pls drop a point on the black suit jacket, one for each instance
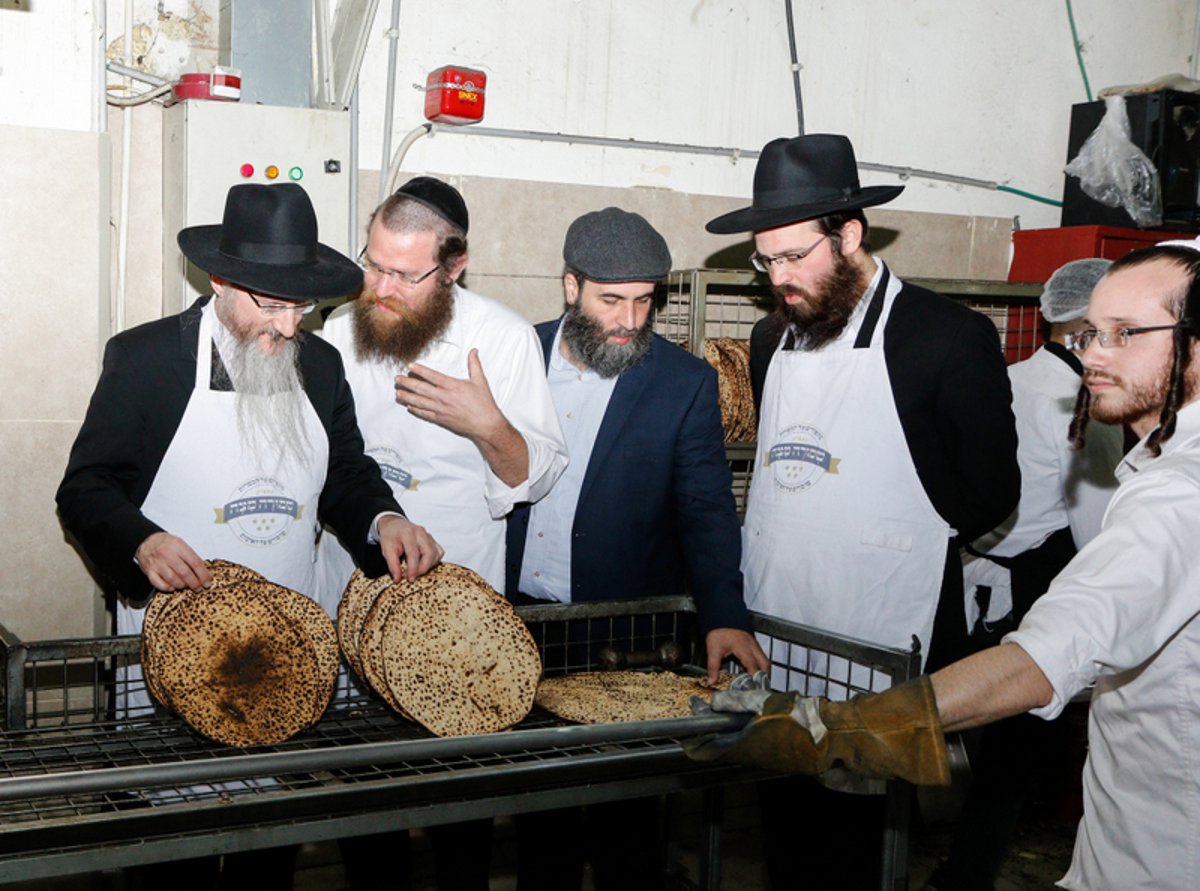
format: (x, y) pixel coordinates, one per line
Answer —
(953, 397)
(145, 384)
(656, 511)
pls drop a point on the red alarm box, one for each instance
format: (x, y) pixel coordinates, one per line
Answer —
(455, 95)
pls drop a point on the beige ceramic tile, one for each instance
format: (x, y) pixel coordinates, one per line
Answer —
(991, 249)
(51, 285)
(143, 275)
(537, 298)
(45, 591)
(926, 245)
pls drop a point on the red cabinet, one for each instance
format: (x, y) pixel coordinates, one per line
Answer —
(1038, 252)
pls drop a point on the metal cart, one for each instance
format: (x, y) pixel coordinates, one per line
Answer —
(80, 792)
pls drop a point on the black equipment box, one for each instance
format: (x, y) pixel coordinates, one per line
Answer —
(1166, 126)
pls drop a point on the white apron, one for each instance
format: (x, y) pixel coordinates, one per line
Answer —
(839, 533)
(260, 511)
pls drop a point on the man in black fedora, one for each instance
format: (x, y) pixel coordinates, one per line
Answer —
(885, 436)
(226, 410)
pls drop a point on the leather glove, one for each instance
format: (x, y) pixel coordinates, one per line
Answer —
(883, 735)
(746, 693)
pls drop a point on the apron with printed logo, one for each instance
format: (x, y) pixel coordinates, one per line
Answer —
(839, 533)
(256, 510)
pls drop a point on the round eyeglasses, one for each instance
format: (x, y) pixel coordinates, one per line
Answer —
(370, 267)
(303, 307)
(1111, 337)
(763, 263)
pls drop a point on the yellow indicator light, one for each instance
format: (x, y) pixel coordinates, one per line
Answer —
(272, 172)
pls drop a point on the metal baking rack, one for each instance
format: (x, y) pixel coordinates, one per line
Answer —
(699, 303)
(81, 792)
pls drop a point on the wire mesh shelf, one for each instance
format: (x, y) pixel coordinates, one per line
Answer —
(81, 790)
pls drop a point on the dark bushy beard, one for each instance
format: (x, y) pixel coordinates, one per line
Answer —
(270, 391)
(821, 316)
(402, 338)
(588, 342)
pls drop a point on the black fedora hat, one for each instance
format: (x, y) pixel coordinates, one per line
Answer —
(267, 243)
(802, 178)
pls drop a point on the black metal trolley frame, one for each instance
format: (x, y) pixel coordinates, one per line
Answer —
(81, 792)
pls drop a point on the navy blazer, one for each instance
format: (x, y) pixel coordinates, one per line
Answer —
(656, 514)
(146, 381)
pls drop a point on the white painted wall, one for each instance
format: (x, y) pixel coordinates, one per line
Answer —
(980, 90)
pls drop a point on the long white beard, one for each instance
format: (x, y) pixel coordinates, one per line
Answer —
(270, 397)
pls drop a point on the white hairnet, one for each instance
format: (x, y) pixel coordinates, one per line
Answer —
(1065, 297)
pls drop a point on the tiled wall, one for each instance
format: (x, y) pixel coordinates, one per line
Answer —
(517, 230)
(54, 268)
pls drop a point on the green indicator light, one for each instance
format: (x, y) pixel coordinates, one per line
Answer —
(295, 174)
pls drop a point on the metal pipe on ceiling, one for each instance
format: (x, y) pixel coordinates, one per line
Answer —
(393, 36)
(734, 154)
(791, 29)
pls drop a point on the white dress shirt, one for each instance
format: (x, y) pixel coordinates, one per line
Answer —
(581, 399)
(439, 477)
(1059, 487)
(1124, 615)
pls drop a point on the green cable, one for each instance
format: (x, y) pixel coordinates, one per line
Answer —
(1078, 52)
(1025, 194)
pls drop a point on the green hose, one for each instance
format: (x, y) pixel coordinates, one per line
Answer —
(1078, 51)
(1025, 194)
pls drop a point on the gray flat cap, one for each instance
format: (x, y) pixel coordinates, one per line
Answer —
(1065, 297)
(613, 245)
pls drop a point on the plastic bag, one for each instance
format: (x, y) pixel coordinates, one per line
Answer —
(1115, 172)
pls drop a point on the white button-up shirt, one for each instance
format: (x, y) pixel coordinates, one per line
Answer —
(581, 398)
(1124, 614)
(439, 477)
(1059, 486)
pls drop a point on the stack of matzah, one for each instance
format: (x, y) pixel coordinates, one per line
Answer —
(246, 662)
(444, 650)
(731, 359)
(605, 697)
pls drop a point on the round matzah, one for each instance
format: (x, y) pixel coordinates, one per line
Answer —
(356, 602)
(459, 659)
(158, 622)
(155, 626)
(731, 359)
(311, 619)
(605, 697)
(736, 356)
(238, 670)
(747, 422)
(371, 644)
(244, 662)
(224, 571)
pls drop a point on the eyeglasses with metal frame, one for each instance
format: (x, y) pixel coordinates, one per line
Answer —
(303, 307)
(371, 267)
(1079, 341)
(763, 263)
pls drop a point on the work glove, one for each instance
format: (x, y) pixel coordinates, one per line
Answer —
(896, 734)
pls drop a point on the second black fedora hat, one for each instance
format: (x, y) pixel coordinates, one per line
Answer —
(802, 178)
